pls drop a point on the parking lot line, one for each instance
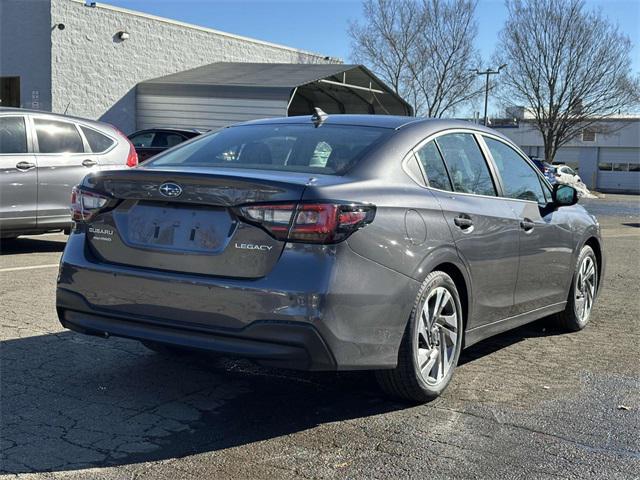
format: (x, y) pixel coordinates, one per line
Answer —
(32, 267)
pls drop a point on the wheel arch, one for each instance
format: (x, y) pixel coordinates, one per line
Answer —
(596, 246)
(460, 281)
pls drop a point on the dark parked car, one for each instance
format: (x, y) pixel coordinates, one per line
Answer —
(155, 140)
(331, 243)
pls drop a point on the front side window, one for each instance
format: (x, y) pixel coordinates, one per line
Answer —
(434, 167)
(166, 140)
(518, 177)
(97, 141)
(328, 149)
(57, 137)
(13, 135)
(467, 167)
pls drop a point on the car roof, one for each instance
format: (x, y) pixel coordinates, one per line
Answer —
(169, 129)
(23, 111)
(382, 121)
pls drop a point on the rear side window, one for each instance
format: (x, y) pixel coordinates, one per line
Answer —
(13, 135)
(328, 149)
(58, 137)
(466, 165)
(97, 141)
(434, 167)
(519, 178)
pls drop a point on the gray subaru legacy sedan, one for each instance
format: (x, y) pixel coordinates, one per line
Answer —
(340, 242)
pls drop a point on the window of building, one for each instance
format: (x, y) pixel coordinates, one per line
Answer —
(97, 141)
(13, 135)
(434, 167)
(588, 135)
(466, 165)
(605, 166)
(9, 91)
(620, 167)
(57, 137)
(634, 167)
(518, 177)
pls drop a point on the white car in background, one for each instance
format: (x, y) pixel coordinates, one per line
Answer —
(567, 175)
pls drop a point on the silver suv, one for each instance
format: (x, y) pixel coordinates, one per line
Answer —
(42, 156)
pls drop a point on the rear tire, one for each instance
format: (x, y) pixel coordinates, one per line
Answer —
(165, 349)
(431, 344)
(582, 293)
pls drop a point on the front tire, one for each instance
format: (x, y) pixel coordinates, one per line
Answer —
(582, 293)
(431, 344)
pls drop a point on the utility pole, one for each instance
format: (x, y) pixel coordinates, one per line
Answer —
(487, 72)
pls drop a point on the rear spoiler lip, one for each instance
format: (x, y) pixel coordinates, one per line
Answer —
(196, 188)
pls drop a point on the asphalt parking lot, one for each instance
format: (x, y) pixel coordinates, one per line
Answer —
(534, 402)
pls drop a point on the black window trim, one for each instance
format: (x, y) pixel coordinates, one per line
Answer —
(413, 153)
(515, 148)
(36, 145)
(28, 131)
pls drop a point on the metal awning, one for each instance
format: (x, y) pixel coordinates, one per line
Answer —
(336, 88)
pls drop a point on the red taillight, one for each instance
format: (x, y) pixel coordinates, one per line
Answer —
(85, 204)
(132, 158)
(309, 222)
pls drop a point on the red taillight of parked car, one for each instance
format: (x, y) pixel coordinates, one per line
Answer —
(309, 222)
(85, 204)
(132, 158)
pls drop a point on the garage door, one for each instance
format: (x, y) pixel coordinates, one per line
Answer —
(619, 169)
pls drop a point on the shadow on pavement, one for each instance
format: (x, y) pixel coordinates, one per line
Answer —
(31, 245)
(70, 401)
(544, 327)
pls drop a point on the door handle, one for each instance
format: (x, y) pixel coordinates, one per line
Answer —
(89, 163)
(463, 221)
(25, 165)
(527, 224)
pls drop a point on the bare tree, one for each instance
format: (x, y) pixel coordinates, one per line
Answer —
(571, 68)
(422, 48)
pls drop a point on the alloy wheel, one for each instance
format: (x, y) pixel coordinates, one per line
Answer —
(585, 288)
(437, 335)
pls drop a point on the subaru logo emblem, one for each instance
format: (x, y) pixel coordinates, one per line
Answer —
(170, 189)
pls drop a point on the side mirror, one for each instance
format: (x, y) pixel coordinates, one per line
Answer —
(564, 195)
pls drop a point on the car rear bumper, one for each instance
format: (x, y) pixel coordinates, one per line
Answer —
(320, 308)
(277, 344)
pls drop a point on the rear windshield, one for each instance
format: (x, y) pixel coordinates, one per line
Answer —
(327, 149)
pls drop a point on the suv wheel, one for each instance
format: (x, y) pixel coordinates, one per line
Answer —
(582, 293)
(431, 344)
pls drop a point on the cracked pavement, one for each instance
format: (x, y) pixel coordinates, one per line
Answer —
(531, 403)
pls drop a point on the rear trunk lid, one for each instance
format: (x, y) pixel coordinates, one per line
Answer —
(184, 221)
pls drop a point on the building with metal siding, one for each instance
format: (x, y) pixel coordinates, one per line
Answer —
(69, 56)
(608, 161)
(220, 94)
